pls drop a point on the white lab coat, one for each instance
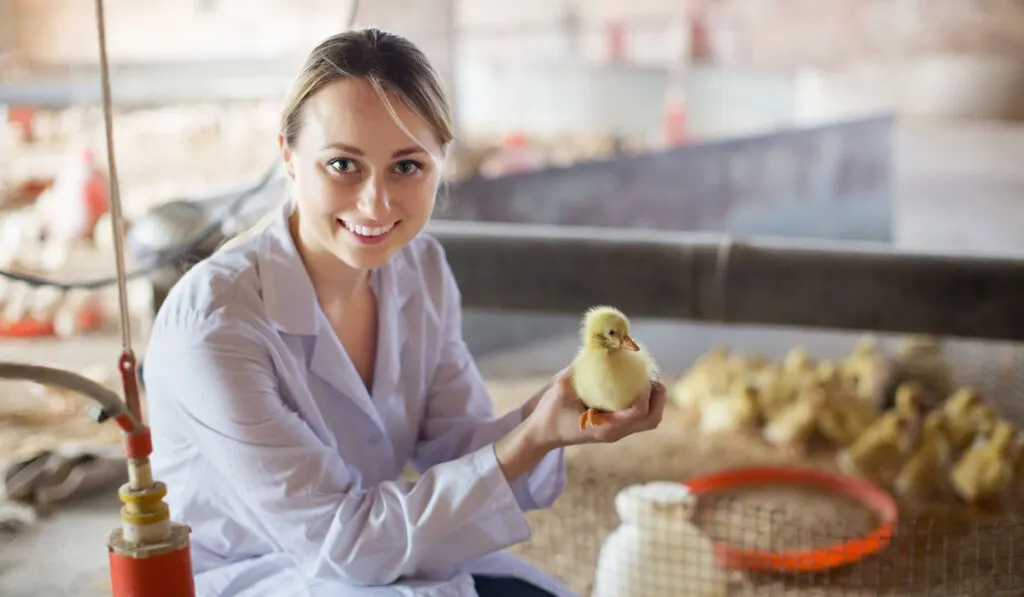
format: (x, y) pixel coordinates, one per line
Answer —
(285, 466)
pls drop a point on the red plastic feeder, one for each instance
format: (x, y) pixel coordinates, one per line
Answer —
(88, 319)
(802, 560)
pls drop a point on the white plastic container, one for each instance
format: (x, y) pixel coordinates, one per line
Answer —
(657, 551)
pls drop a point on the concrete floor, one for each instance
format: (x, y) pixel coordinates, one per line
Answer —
(960, 188)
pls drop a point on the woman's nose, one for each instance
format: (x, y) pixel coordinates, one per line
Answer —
(373, 199)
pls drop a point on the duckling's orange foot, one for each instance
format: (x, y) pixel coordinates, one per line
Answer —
(591, 418)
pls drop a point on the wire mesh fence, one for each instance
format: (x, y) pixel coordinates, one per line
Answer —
(678, 555)
(693, 550)
(602, 543)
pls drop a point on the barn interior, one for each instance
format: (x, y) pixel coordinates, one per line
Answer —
(757, 184)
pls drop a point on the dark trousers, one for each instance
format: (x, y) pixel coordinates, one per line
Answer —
(506, 586)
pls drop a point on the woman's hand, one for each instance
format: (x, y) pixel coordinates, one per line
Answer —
(553, 420)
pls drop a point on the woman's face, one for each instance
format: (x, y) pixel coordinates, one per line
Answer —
(363, 187)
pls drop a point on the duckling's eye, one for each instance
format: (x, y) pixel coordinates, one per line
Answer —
(611, 332)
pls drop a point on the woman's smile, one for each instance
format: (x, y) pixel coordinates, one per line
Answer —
(369, 234)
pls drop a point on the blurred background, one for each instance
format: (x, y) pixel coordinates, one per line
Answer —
(893, 122)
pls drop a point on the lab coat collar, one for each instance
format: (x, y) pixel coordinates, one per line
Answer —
(291, 305)
(393, 284)
(288, 296)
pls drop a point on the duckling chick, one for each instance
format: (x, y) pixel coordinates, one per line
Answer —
(968, 415)
(828, 375)
(961, 401)
(611, 370)
(910, 396)
(797, 370)
(866, 345)
(925, 476)
(879, 452)
(985, 472)
(845, 417)
(772, 392)
(864, 368)
(985, 418)
(709, 375)
(798, 360)
(792, 429)
(740, 365)
(735, 414)
(920, 359)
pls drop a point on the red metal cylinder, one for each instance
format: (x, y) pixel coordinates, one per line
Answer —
(165, 575)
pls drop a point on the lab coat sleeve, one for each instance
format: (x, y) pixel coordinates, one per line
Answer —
(460, 414)
(221, 376)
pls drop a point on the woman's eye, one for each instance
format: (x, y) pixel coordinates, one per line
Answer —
(407, 167)
(343, 165)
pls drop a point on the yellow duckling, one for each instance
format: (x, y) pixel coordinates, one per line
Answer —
(708, 376)
(793, 427)
(969, 416)
(798, 360)
(925, 475)
(611, 369)
(879, 453)
(845, 418)
(986, 470)
(735, 413)
(864, 368)
(910, 396)
(881, 450)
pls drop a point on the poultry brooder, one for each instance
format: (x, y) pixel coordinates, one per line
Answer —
(934, 548)
(714, 295)
(933, 555)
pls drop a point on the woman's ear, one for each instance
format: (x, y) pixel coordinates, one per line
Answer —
(286, 155)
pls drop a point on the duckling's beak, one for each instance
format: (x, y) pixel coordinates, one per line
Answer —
(629, 344)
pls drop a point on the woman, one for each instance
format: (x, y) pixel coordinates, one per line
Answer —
(292, 375)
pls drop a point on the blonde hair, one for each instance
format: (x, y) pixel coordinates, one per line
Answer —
(390, 63)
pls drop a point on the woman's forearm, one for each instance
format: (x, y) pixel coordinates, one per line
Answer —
(519, 451)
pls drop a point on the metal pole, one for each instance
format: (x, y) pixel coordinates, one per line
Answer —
(149, 554)
(808, 283)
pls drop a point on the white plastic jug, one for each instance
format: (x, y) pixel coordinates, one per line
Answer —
(657, 551)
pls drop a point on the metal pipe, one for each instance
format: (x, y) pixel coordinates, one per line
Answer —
(702, 276)
(108, 400)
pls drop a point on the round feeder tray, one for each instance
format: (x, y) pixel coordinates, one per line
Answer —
(802, 560)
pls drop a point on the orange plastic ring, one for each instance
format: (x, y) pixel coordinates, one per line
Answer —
(802, 560)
